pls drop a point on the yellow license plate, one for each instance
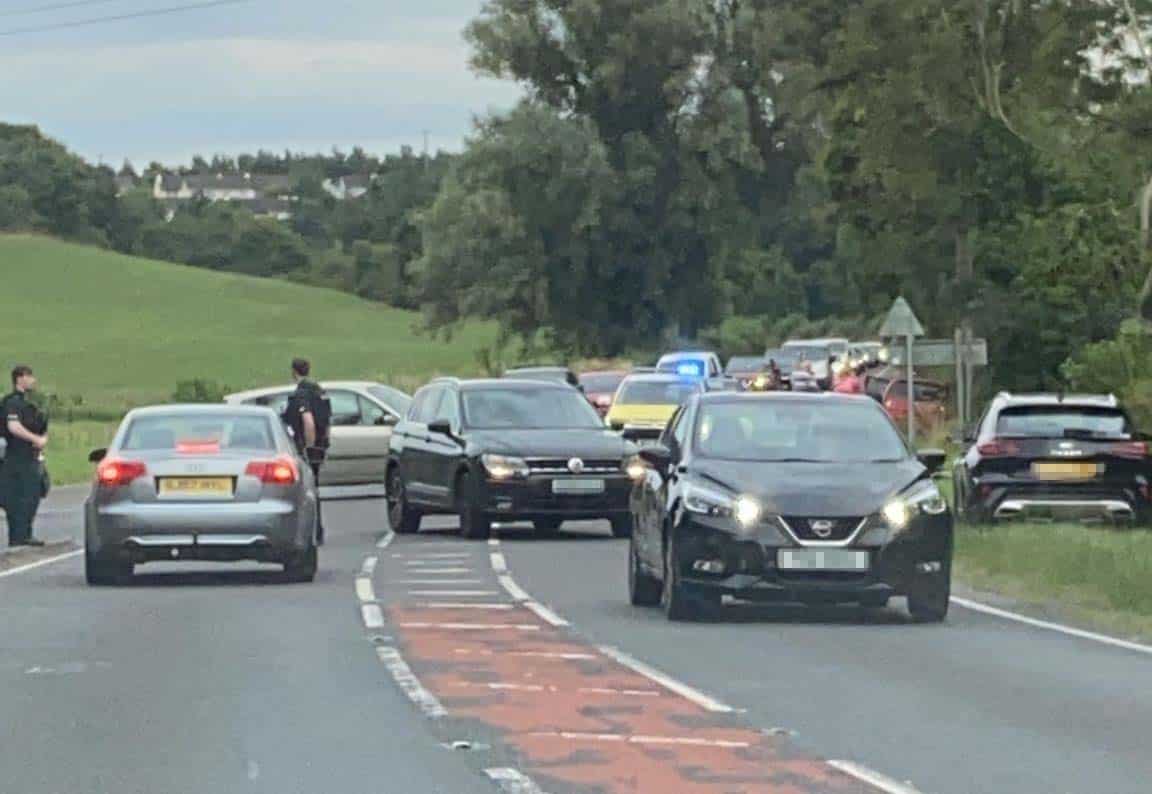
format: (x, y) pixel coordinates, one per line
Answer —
(200, 486)
(1065, 471)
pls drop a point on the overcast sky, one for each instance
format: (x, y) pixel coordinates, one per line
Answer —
(274, 74)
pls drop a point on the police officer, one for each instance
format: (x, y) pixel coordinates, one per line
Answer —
(26, 432)
(299, 414)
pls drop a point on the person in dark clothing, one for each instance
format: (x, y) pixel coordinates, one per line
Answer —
(300, 415)
(26, 433)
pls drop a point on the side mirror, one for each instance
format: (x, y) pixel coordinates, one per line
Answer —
(933, 459)
(440, 426)
(97, 455)
(386, 420)
(658, 456)
(618, 426)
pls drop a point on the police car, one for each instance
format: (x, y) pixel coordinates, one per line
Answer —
(702, 364)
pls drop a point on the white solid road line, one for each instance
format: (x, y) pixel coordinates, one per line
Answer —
(512, 781)
(364, 590)
(372, 615)
(666, 681)
(39, 563)
(513, 589)
(1115, 642)
(874, 778)
(369, 566)
(384, 541)
(499, 564)
(409, 684)
(546, 614)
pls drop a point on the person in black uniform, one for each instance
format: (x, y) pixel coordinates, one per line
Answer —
(26, 433)
(300, 415)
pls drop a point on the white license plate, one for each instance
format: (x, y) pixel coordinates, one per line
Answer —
(821, 560)
(578, 486)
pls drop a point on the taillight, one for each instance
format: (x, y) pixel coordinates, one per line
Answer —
(998, 448)
(273, 472)
(1129, 449)
(113, 473)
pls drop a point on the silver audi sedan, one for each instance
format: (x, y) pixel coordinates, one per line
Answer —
(200, 482)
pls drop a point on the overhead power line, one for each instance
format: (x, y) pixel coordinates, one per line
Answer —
(16, 12)
(155, 12)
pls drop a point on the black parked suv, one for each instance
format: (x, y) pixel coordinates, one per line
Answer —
(777, 496)
(507, 450)
(1054, 456)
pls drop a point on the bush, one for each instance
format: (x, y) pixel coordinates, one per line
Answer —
(199, 390)
(1122, 366)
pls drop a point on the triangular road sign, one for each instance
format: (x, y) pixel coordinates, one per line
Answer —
(901, 320)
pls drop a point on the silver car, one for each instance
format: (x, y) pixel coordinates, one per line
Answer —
(200, 482)
(363, 415)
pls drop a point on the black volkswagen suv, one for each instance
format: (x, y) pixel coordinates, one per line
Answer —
(507, 450)
(1055, 456)
(778, 496)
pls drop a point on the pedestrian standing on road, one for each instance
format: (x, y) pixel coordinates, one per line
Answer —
(25, 430)
(309, 413)
(852, 382)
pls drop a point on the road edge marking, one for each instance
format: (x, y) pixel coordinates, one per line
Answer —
(514, 590)
(873, 778)
(364, 590)
(1059, 628)
(512, 781)
(668, 682)
(409, 684)
(546, 614)
(372, 616)
(39, 563)
(384, 542)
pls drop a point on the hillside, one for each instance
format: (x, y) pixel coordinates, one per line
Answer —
(121, 331)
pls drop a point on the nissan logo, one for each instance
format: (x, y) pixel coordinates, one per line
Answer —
(575, 465)
(822, 528)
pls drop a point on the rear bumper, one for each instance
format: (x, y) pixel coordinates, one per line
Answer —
(534, 498)
(1010, 498)
(265, 530)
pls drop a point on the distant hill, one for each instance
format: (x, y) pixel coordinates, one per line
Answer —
(119, 330)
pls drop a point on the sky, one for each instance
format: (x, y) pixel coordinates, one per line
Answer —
(306, 75)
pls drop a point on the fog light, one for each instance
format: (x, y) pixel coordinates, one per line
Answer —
(175, 553)
(928, 567)
(708, 566)
(504, 504)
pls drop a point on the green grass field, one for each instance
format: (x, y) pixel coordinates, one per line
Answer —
(107, 332)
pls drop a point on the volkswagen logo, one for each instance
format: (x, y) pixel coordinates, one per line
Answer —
(821, 528)
(575, 465)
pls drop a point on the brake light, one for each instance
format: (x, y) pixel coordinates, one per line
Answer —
(198, 447)
(1129, 449)
(998, 448)
(113, 473)
(273, 472)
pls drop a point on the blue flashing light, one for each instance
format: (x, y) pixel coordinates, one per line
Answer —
(693, 368)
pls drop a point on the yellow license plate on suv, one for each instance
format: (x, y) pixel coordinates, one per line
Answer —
(196, 486)
(1065, 471)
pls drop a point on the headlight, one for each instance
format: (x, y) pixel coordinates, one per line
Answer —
(634, 467)
(705, 501)
(922, 498)
(882, 355)
(502, 467)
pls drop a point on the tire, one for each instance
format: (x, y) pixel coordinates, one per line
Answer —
(622, 526)
(302, 567)
(678, 605)
(643, 589)
(547, 527)
(402, 517)
(103, 573)
(474, 524)
(928, 601)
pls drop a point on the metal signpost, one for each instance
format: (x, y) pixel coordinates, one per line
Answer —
(901, 321)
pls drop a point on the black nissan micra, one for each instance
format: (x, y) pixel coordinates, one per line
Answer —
(810, 498)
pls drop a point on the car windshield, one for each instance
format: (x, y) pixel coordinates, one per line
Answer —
(792, 430)
(395, 399)
(746, 364)
(487, 409)
(198, 433)
(601, 382)
(812, 352)
(1061, 421)
(647, 392)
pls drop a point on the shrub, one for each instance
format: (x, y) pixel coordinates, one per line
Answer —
(199, 390)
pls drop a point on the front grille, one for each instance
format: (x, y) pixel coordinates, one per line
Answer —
(559, 466)
(838, 529)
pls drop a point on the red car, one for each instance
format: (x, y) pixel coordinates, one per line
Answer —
(600, 387)
(931, 402)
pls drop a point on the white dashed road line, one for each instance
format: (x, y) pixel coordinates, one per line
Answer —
(499, 564)
(874, 778)
(546, 614)
(409, 684)
(386, 540)
(453, 593)
(690, 741)
(439, 571)
(364, 590)
(471, 626)
(372, 616)
(369, 566)
(513, 589)
(439, 581)
(458, 605)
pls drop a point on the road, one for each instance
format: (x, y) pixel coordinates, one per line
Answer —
(202, 679)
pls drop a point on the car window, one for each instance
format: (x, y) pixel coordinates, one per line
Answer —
(277, 402)
(345, 408)
(678, 430)
(370, 412)
(427, 401)
(1060, 421)
(449, 409)
(395, 399)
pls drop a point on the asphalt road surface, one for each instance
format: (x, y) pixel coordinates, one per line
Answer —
(439, 665)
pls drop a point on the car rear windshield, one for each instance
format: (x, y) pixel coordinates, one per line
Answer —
(639, 392)
(798, 431)
(812, 352)
(393, 398)
(601, 382)
(1062, 421)
(199, 433)
(487, 409)
(745, 364)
